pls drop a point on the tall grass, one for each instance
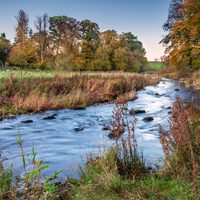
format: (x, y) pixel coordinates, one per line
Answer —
(39, 93)
(104, 175)
(182, 144)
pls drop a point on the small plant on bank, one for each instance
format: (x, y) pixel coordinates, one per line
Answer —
(5, 179)
(182, 145)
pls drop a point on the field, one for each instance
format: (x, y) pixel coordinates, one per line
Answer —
(46, 74)
(156, 65)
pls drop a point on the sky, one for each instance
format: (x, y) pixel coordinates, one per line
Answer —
(144, 18)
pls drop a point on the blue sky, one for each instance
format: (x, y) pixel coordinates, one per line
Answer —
(144, 18)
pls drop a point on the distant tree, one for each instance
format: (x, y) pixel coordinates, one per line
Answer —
(108, 36)
(156, 59)
(4, 47)
(22, 27)
(85, 59)
(120, 59)
(135, 51)
(41, 36)
(7, 64)
(103, 58)
(17, 56)
(163, 58)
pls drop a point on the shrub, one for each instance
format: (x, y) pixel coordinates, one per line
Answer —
(7, 64)
(42, 67)
(182, 144)
(32, 66)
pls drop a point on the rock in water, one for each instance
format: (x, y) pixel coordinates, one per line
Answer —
(79, 129)
(79, 108)
(139, 111)
(27, 121)
(105, 128)
(50, 117)
(148, 119)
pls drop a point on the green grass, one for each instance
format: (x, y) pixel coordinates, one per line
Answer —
(156, 65)
(18, 73)
(46, 74)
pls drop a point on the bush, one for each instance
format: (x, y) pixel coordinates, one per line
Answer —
(7, 64)
(42, 67)
(32, 67)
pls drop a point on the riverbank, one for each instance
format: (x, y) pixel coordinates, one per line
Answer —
(191, 78)
(122, 172)
(20, 95)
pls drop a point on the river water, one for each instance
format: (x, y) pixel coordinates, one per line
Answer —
(60, 145)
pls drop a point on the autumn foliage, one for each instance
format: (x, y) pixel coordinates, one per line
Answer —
(183, 38)
(63, 43)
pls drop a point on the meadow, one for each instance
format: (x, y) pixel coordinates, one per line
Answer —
(154, 67)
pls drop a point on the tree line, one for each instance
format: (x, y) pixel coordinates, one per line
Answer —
(63, 43)
(183, 38)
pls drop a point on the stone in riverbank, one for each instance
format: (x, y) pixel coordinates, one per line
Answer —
(156, 93)
(148, 119)
(176, 89)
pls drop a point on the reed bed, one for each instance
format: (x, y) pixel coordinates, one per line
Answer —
(21, 94)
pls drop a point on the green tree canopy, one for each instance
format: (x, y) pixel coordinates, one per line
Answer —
(103, 58)
(120, 59)
(4, 47)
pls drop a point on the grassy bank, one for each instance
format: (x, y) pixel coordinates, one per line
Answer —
(121, 171)
(68, 90)
(191, 77)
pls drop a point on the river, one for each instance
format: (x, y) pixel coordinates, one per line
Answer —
(60, 145)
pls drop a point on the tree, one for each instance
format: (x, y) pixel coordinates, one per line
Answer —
(135, 51)
(120, 59)
(17, 56)
(103, 58)
(184, 31)
(156, 59)
(22, 27)
(41, 36)
(4, 47)
(108, 36)
(85, 58)
(65, 32)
